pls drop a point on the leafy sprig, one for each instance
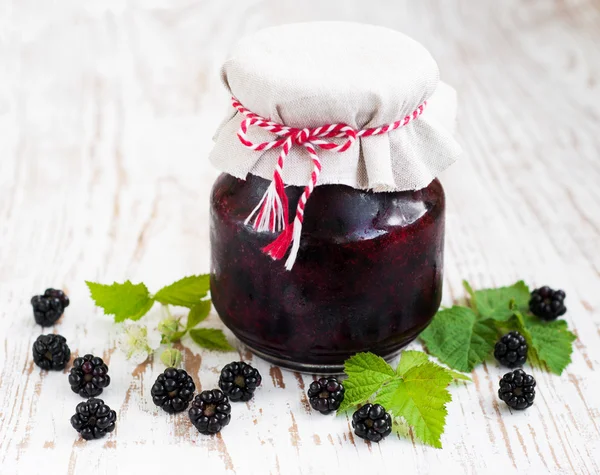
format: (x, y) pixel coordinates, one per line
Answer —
(464, 336)
(129, 301)
(415, 393)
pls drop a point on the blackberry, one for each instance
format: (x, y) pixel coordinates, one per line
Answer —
(511, 350)
(210, 411)
(173, 390)
(239, 380)
(93, 419)
(58, 294)
(517, 389)
(547, 304)
(89, 376)
(326, 395)
(371, 422)
(48, 308)
(51, 352)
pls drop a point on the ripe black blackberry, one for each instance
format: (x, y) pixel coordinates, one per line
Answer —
(93, 419)
(511, 350)
(89, 376)
(326, 395)
(173, 390)
(371, 422)
(51, 352)
(239, 380)
(547, 304)
(517, 389)
(48, 308)
(210, 411)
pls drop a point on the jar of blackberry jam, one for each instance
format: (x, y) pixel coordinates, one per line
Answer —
(327, 223)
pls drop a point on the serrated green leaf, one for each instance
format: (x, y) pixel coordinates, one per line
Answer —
(198, 313)
(410, 358)
(458, 339)
(357, 392)
(186, 292)
(499, 304)
(124, 301)
(141, 312)
(458, 376)
(369, 367)
(384, 395)
(420, 398)
(552, 341)
(211, 339)
(366, 374)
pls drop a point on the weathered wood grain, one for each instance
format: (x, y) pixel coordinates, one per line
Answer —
(107, 109)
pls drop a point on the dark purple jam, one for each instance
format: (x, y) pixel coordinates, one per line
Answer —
(368, 276)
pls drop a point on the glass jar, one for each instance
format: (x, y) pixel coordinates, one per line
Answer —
(368, 276)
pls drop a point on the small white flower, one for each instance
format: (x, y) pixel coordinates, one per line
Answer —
(154, 338)
(138, 342)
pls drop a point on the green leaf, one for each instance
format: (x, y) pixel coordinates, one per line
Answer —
(366, 374)
(458, 376)
(409, 359)
(499, 304)
(198, 313)
(142, 311)
(551, 341)
(384, 395)
(412, 358)
(457, 338)
(211, 339)
(186, 292)
(357, 393)
(369, 367)
(174, 337)
(420, 398)
(124, 301)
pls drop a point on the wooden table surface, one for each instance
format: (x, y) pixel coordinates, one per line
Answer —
(107, 109)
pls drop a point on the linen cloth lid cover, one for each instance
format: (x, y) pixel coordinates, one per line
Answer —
(312, 74)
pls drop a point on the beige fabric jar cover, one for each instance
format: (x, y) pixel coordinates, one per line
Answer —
(310, 75)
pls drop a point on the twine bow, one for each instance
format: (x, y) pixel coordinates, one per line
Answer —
(271, 213)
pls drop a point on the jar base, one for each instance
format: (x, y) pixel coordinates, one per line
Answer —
(308, 368)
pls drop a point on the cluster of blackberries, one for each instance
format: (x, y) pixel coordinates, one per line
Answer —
(517, 387)
(174, 389)
(210, 410)
(545, 303)
(88, 376)
(370, 422)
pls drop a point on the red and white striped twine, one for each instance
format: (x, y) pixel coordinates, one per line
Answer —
(271, 213)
